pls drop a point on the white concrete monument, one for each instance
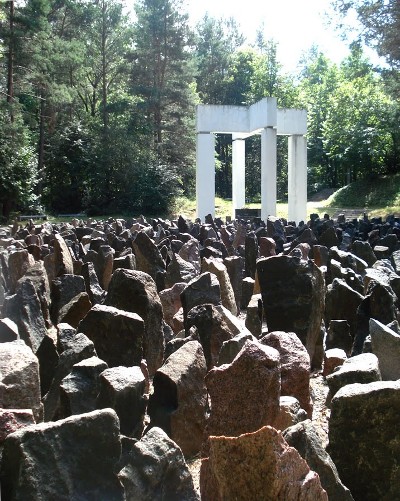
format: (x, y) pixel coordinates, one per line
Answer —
(243, 121)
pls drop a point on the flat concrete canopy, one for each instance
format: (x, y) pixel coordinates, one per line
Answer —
(262, 118)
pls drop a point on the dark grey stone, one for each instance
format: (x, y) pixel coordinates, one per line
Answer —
(386, 346)
(79, 390)
(77, 350)
(72, 459)
(304, 437)
(362, 368)
(204, 289)
(293, 293)
(117, 334)
(364, 438)
(122, 389)
(25, 310)
(178, 404)
(136, 291)
(157, 471)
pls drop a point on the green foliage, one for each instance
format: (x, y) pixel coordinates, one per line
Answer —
(369, 193)
(381, 22)
(18, 175)
(101, 109)
(162, 76)
(356, 134)
(216, 42)
(351, 131)
(70, 157)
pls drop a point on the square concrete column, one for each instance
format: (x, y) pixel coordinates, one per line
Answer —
(297, 178)
(205, 174)
(238, 172)
(268, 172)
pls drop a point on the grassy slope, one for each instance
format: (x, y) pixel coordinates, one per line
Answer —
(382, 194)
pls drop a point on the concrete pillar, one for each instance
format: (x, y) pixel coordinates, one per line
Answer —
(297, 178)
(238, 172)
(268, 172)
(205, 174)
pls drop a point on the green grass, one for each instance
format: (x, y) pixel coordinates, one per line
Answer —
(379, 193)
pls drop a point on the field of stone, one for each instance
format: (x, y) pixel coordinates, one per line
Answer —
(217, 360)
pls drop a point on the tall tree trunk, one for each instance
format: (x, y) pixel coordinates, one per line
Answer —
(41, 134)
(10, 61)
(104, 68)
(104, 96)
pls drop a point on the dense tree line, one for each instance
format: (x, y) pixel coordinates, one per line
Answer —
(97, 110)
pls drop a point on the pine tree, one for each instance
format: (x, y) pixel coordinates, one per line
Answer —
(162, 77)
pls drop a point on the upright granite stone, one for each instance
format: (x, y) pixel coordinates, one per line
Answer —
(190, 252)
(74, 311)
(148, 257)
(136, 291)
(63, 264)
(245, 394)
(117, 335)
(48, 360)
(19, 261)
(105, 265)
(179, 270)
(234, 266)
(379, 304)
(93, 288)
(122, 389)
(65, 334)
(79, 348)
(70, 459)
(251, 255)
(254, 315)
(338, 336)
(248, 290)
(362, 368)
(156, 471)
(267, 247)
(213, 330)
(24, 309)
(232, 347)
(8, 330)
(38, 276)
(341, 303)
(386, 346)
(19, 378)
(290, 413)
(364, 251)
(204, 289)
(178, 404)
(293, 292)
(171, 301)
(64, 289)
(295, 367)
(218, 268)
(234, 470)
(364, 437)
(305, 439)
(79, 390)
(335, 357)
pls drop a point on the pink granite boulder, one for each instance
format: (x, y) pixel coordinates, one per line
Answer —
(244, 394)
(234, 470)
(295, 366)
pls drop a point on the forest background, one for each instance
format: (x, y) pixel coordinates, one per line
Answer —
(97, 110)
